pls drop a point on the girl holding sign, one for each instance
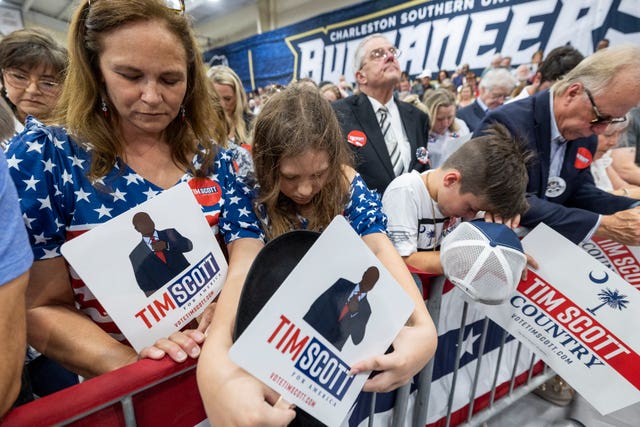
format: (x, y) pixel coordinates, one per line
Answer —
(305, 178)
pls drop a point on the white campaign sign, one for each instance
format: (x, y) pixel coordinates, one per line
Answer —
(284, 346)
(618, 257)
(579, 317)
(151, 294)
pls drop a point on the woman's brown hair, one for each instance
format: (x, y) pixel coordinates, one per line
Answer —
(80, 106)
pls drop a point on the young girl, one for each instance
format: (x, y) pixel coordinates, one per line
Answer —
(304, 171)
(305, 178)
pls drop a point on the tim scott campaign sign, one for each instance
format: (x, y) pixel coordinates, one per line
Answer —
(575, 313)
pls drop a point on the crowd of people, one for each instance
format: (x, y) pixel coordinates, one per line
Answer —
(131, 110)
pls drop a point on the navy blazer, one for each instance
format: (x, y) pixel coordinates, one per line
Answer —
(573, 213)
(355, 114)
(151, 273)
(324, 314)
(472, 115)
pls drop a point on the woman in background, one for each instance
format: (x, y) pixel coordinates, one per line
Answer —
(447, 133)
(33, 66)
(331, 92)
(465, 96)
(442, 76)
(233, 98)
(604, 175)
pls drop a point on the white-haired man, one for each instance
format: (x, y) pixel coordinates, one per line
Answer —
(388, 137)
(494, 89)
(561, 125)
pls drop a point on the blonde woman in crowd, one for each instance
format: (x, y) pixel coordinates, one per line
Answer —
(465, 96)
(233, 98)
(447, 132)
(331, 92)
(414, 99)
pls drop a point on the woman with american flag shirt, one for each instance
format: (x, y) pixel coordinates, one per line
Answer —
(137, 120)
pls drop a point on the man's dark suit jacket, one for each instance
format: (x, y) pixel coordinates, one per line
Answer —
(472, 115)
(324, 314)
(355, 113)
(151, 272)
(574, 212)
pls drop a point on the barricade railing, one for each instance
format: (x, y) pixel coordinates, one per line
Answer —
(151, 393)
(479, 409)
(146, 393)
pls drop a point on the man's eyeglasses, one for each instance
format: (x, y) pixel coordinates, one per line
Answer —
(600, 119)
(22, 81)
(382, 53)
(174, 5)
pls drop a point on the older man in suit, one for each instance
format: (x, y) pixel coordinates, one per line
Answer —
(561, 126)
(494, 88)
(388, 137)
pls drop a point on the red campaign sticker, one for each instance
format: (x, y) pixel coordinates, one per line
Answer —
(207, 191)
(357, 138)
(583, 158)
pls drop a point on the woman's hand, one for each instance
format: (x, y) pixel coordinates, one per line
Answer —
(178, 346)
(182, 344)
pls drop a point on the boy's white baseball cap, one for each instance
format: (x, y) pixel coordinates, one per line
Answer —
(483, 259)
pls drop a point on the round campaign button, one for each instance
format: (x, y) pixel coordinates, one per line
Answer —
(583, 158)
(422, 155)
(555, 187)
(357, 138)
(207, 191)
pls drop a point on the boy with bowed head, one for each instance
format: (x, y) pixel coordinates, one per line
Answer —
(138, 119)
(488, 173)
(305, 179)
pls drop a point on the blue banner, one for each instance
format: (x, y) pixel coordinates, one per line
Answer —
(431, 34)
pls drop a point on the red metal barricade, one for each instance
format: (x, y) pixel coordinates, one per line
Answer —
(146, 393)
(153, 393)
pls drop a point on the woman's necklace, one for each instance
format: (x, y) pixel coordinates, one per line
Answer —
(433, 215)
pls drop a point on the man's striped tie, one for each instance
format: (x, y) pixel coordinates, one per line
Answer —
(390, 139)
